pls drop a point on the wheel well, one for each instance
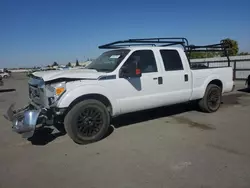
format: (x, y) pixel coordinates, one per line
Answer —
(98, 97)
(217, 82)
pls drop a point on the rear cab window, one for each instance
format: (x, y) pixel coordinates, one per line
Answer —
(171, 60)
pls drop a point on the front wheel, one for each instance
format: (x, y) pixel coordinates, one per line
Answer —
(212, 99)
(88, 121)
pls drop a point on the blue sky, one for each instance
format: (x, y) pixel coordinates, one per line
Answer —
(39, 32)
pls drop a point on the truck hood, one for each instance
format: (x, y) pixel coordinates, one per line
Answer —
(70, 74)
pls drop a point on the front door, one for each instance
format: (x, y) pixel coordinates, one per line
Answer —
(140, 93)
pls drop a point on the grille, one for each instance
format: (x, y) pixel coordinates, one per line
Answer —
(33, 92)
(36, 91)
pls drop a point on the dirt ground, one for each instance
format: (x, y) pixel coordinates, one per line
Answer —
(175, 147)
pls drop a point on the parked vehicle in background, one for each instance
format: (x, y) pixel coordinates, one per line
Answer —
(4, 75)
(125, 79)
(1, 81)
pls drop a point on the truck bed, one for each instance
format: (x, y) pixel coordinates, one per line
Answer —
(201, 78)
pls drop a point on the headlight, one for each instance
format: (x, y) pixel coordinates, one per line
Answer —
(59, 89)
(56, 90)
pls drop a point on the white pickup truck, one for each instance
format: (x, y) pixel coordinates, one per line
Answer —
(124, 79)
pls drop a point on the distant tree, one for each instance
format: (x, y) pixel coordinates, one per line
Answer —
(244, 53)
(77, 63)
(234, 48)
(55, 64)
(69, 65)
(198, 55)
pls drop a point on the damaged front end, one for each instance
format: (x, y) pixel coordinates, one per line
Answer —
(25, 120)
(41, 110)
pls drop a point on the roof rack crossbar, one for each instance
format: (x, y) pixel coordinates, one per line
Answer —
(151, 44)
(222, 46)
(204, 50)
(164, 45)
(124, 46)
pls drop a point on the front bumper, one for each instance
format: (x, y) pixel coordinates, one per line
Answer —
(25, 120)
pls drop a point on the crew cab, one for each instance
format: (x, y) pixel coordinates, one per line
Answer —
(124, 79)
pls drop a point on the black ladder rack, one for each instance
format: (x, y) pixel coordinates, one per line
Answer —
(223, 46)
(146, 41)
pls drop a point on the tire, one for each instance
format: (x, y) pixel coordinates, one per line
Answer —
(88, 121)
(211, 100)
(5, 76)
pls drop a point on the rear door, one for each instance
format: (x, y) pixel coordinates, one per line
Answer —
(177, 78)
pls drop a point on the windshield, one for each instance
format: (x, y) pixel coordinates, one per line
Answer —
(108, 61)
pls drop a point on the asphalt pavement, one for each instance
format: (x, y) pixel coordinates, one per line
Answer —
(171, 147)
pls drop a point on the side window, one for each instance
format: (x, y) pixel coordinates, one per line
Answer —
(145, 59)
(171, 60)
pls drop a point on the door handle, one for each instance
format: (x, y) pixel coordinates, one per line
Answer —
(186, 77)
(160, 80)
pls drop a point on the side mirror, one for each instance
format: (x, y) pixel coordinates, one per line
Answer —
(130, 71)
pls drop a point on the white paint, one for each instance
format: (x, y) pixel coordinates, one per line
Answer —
(68, 73)
(130, 95)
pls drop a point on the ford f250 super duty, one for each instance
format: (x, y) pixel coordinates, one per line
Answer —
(134, 75)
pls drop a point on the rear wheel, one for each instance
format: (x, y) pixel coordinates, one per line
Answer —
(88, 121)
(5, 76)
(212, 99)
